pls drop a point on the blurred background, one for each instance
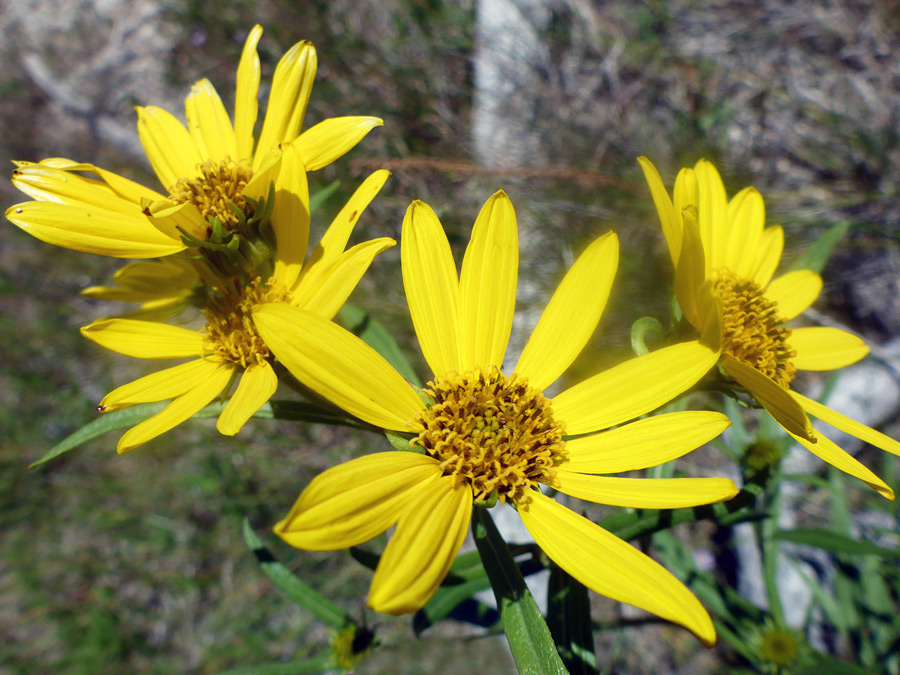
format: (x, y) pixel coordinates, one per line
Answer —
(135, 563)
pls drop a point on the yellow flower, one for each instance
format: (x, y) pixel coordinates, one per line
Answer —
(724, 260)
(230, 346)
(209, 169)
(488, 437)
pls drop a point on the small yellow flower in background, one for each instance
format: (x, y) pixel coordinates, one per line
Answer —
(488, 437)
(210, 169)
(230, 346)
(724, 260)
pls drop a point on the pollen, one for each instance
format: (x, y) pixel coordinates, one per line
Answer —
(230, 331)
(495, 432)
(218, 187)
(754, 333)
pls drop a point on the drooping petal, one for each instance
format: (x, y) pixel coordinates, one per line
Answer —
(48, 184)
(171, 219)
(290, 216)
(338, 366)
(771, 244)
(180, 410)
(487, 284)
(245, 97)
(209, 124)
(357, 500)
(432, 287)
(633, 388)
(746, 218)
(611, 567)
(291, 87)
(133, 193)
(333, 138)
(159, 386)
(257, 385)
(690, 273)
(847, 425)
(145, 339)
(571, 315)
(424, 546)
(668, 218)
(711, 216)
(644, 493)
(169, 146)
(794, 292)
(156, 277)
(824, 448)
(775, 399)
(92, 230)
(822, 348)
(336, 283)
(645, 443)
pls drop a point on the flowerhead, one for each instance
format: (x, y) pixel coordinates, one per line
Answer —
(725, 259)
(229, 348)
(482, 434)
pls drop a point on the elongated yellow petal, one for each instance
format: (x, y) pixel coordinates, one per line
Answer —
(291, 87)
(794, 292)
(180, 410)
(690, 272)
(668, 218)
(645, 443)
(746, 218)
(172, 219)
(428, 537)
(633, 388)
(338, 365)
(333, 138)
(771, 245)
(148, 280)
(487, 284)
(432, 287)
(824, 448)
(127, 189)
(160, 386)
(65, 187)
(169, 146)
(711, 216)
(145, 339)
(847, 425)
(644, 493)
(822, 348)
(357, 500)
(571, 315)
(337, 283)
(774, 398)
(264, 175)
(209, 124)
(92, 230)
(290, 216)
(246, 92)
(257, 385)
(611, 567)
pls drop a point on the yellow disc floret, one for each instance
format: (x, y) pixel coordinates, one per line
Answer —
(495, 432)
(753, 331)
(231, 333)
(213, 192)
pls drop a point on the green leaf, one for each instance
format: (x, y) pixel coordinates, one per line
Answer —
(298, 591)
(529, 638)
(371, 332)
(319, 197)
(833, 542)
(815, 257)
(322, 663)
(569, 620)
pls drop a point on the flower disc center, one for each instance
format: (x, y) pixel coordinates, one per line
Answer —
(496, 432)
(218, 187)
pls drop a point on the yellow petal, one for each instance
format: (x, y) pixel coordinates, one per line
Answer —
(357, 500)
(145, 339)
(291, 87)
(180, 410)
(571, 315)
(432, 287)
(290, 216)
(645, 443)
(847, 425)
(48, 184)
(247, 89)
(257, 385)
(168, 145)
(825, 448)
(487, 284)
(338, 365)
(611, 567)
(669, 220)
(774, 398)
(171, 220)
(821, 348)
(333, 138)
(686, 192)
(768, 255)
(711, 216)
(746, 217)
(128, 190)
(690, 273)
(424, 546)
(159, 386)
(644, 493)
(264, 175)
(794, 292)
(633, 388)
(148, 280)
(92, 230)
(335, 284)
(209, 123)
